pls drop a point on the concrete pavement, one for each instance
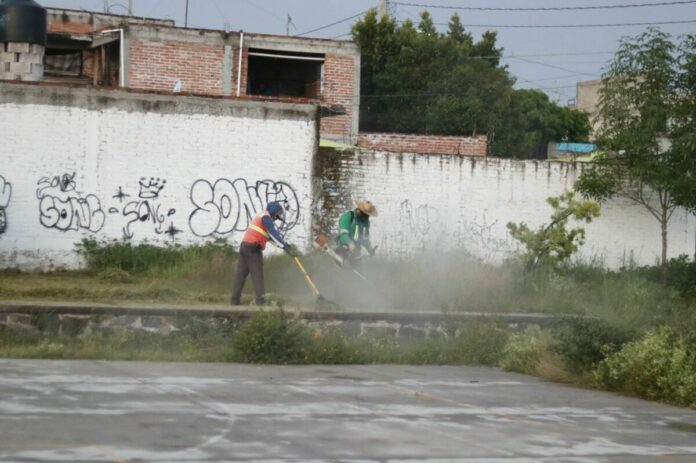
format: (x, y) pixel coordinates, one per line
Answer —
(166, 412)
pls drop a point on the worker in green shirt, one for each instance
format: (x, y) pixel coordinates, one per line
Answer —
(354, 230)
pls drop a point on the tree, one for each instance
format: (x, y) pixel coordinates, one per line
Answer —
(416, 80)
(532, 120)
(646, 129)
(552, 243)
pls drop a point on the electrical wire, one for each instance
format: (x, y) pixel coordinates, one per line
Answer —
(553, 66)
(334, 23)
(556, 26)
(551, 8)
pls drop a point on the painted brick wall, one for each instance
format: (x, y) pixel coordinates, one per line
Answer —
(442, 202)
(424, 144)
(78, 163)
(156, 65)
(339, 73)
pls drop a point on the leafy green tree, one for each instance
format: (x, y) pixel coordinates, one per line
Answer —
(646, 128)
(416, 80)
(553, 243)
(457, 33)
(532, 120)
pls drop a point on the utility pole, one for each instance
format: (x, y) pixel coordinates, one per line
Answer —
(383, 7)
(186, 15)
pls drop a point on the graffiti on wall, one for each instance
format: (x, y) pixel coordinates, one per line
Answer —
(64, 208)
(227, 206)
(145, 209)
(5, 196)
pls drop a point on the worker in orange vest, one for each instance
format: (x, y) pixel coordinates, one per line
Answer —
(254, 242)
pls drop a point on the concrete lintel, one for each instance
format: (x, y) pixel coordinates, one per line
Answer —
(300, 44)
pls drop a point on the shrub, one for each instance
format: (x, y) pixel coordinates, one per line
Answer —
(584, 342)
(148, 258)
(523, 352)
(658, 366)
(271, 337)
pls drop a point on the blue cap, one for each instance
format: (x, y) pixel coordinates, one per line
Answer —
(275, 209)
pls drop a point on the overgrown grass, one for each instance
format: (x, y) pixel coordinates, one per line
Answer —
(659, 365)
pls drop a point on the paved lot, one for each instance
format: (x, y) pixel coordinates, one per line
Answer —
(121, 411)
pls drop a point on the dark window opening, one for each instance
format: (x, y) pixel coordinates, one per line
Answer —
(78, 62)
(273, 73)
(59, 62)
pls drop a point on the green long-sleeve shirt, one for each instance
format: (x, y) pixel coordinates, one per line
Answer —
(354, 227)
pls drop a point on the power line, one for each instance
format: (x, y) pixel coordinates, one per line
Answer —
(334, 23)
(552, 66)
(555, 8)
(555, 26)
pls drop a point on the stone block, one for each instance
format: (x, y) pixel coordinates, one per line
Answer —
(36, 73)
(30, 58)
(15, 47)
(7, 76)
(4, 67)
(47, 322)
(37, 49)
(8, 57)
(20, 68)
(411, 332)
(73, 324)
(19, 318)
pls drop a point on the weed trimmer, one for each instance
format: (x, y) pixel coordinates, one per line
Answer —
(309, 280)
(322, 243)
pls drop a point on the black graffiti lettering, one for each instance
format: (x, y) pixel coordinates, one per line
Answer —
(150, 189)
(146, 209)
(5, 196)
(120, 195)
(227, 206)
(172, 231)
(64, 208)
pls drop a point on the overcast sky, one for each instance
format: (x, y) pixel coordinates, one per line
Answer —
(580, 53)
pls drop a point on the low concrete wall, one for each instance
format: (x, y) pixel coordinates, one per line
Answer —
(76, 318)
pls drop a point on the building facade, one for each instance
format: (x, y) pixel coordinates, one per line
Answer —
(154, 55)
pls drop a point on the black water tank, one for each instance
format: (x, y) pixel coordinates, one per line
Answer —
(22, 21)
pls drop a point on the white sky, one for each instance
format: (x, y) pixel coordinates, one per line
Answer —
(556, 75)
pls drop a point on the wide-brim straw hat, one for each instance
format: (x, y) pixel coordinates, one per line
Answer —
(366, 207)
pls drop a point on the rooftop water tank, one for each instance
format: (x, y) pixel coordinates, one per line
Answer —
(22, 21)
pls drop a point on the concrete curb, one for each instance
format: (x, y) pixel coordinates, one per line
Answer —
(242, 312)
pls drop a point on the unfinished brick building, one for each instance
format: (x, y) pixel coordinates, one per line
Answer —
(153, 54)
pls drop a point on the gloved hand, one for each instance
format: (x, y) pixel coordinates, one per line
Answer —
(352, 247)
(293, 251)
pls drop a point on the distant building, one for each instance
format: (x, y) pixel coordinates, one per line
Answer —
(101, 49)
(587, 100)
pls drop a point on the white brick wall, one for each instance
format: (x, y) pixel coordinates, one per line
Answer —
(111, 145)
(437, 202)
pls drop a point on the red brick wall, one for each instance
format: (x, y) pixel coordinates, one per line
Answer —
(426, 144)
(155, 65)
(339, 74)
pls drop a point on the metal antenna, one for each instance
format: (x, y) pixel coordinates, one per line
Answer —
(289, 23)
(130, 7)
(186, 15)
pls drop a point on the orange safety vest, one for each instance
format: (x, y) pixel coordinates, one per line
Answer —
(256, 233)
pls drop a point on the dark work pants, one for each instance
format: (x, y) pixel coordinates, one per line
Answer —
(250, 261)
